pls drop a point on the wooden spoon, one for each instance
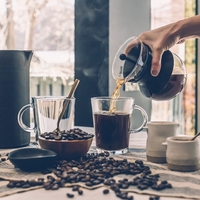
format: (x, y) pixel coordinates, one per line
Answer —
(198, 134)
(66, 103)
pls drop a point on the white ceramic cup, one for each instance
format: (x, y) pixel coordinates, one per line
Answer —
(182, 153)
(157, 132)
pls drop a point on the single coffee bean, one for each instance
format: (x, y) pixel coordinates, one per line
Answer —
(80, 192)
(75, 188)
(142, 187)
(70, 195)
(11, 185)
(154, 198)
(89, 184)
(105, 191)
(139, 162)
(3, 159)
(130, 198)
(55, 187)
(26, 185)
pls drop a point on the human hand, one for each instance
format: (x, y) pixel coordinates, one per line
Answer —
(159, 40)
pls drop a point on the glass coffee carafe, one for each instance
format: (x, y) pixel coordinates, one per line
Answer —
(135, 67)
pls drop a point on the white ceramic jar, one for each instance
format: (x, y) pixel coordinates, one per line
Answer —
(158, 132)
(182, 153)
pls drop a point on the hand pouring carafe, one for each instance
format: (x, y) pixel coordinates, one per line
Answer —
(14, 87)
(135, 67)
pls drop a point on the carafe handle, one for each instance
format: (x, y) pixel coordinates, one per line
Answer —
(145, 119)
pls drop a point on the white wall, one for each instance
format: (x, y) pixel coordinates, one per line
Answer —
(128, 18)
(198, 76)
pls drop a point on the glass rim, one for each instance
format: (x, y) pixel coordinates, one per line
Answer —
(110, 98)
(181, 139)
(161, 123)
(51, 97)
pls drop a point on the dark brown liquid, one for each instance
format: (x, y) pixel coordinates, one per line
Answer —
(173, 87)
(112, 130)
(116, 94)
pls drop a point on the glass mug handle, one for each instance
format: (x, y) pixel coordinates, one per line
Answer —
(145, 119)
(20, 120)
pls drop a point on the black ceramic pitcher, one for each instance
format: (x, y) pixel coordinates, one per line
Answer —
(14, 93)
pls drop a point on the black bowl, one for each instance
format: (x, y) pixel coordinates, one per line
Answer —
(32, 159)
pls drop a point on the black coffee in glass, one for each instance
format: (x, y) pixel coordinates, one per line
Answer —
(112, 130)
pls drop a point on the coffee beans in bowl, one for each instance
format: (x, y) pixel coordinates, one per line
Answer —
(68, 144)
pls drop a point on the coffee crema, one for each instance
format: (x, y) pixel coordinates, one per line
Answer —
(112, 130)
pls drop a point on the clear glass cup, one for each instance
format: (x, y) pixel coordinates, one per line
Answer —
(112, 120)
(46, 110)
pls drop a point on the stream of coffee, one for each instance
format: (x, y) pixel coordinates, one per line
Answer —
(116, 94)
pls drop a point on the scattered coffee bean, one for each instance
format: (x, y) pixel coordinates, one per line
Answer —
(105, 191)
(130, 198)
(154, 198)
(70, 195)
(26, 185)
(95, 169)
(80, 192)
(75, 188)
(3, 159)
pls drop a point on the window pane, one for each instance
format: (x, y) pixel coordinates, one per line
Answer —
(47, 27)
(182, 108)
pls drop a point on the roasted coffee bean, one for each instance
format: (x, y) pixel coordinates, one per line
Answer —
(26, 185)
(107, 182)
(164, 182)
(72, 134)
(154, 198)
(96, 182)
(94, 169)
(3, 159)
(70, 195)
(55, 187)
(139, 162)
(19, 184)
(80, 192)
(118, 194)
(146, 172)
(33, 182)
(11, 184)
(142, 187)
(168, 185)
(89, 184)
(47, 185)
(105, 191)
(124, 195)
(114, 187)
(75, 188)
(124, 186)
(130, 198)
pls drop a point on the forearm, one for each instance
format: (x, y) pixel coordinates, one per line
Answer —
(188, 28)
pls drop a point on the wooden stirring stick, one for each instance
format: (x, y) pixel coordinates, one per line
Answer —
(76, 82)
(198, 134)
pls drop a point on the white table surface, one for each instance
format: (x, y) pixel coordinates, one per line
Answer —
(97, 194)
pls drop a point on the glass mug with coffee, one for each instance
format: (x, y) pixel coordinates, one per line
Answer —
(112, 118)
